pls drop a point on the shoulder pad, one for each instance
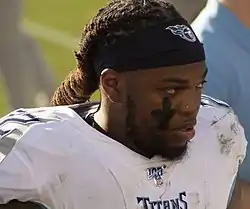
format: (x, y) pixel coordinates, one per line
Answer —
(14, 125)
(86, 108)
(224, 121)
(209, 101)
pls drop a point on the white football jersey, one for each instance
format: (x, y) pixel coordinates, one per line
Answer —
(52, 156)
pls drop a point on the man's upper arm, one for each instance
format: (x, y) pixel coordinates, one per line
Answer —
(23, 157)
(241, 196)
(15, 204)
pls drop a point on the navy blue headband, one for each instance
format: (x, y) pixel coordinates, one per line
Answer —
(153, 47)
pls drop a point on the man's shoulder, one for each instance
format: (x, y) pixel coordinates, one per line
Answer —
(217, 117)
(38, 148)
(43, 129)
(211, 102)
(215, 111)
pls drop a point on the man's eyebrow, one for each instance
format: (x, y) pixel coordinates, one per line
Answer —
(175, 80)
(181, 80)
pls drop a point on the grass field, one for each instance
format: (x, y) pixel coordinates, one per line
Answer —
(65, 19)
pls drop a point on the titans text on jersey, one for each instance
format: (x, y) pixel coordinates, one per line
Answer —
(178, 203)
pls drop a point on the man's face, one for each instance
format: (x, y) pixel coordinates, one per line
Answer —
(162, 105)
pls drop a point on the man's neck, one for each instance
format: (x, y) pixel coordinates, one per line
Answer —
(240, 8)
(111, 125)
(114, 128)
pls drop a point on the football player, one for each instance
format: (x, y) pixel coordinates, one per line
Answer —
(151, 142)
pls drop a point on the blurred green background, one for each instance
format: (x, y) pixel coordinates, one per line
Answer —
(56, 25)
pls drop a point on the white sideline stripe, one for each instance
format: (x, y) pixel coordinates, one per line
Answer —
(50, 34)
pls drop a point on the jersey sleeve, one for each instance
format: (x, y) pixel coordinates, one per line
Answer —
(26, 166)
(17, 178)
(241, 147)
(230, 142)
(233, 138)
(43, 161)
(230, 133)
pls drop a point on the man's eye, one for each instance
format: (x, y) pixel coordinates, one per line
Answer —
(201, 85)
(171, 91)
(175, 90)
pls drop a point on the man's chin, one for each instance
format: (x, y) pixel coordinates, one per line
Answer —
(175, 152)
(177, 138)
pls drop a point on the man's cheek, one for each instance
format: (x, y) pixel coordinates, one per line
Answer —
(163, 116)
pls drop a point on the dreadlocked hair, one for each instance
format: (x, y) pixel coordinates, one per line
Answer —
(118, 18)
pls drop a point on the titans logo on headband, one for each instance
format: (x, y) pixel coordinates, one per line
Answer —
(183, 31)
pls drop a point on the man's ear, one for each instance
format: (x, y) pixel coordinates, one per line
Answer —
(112, 85)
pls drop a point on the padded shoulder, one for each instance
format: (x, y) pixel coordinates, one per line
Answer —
(220, 117)
(212, 102)
(16, 126)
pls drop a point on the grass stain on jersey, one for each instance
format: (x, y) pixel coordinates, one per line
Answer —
(226, 144)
